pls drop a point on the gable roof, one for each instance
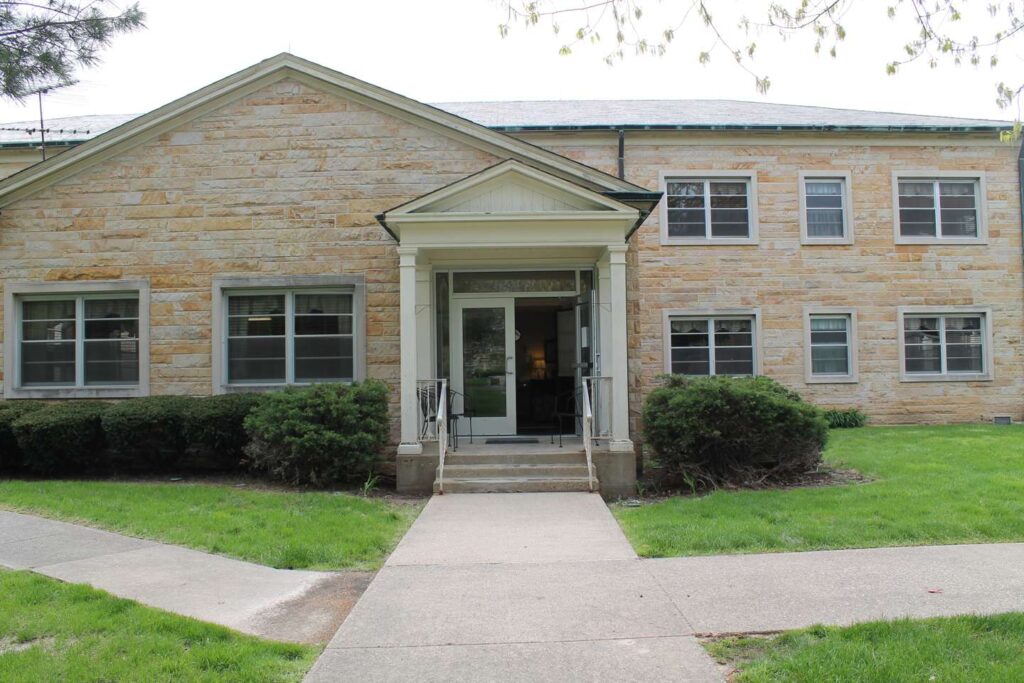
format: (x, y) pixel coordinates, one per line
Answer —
(510, 193)
(285, 65)
(701, 115)
(540, 192)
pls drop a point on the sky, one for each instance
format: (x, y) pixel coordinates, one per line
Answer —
(451, 50)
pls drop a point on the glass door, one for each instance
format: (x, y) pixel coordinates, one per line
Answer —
(483, 363)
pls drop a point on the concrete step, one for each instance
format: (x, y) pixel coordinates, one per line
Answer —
(546, 457)
(515, 484)
(503, 470)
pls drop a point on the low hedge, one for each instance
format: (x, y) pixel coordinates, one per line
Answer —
(319, 435)
(10, 453)
(847, 418)
(716, 431)
(313, 435)
(214, 429)
(146, 434)
(62, 438)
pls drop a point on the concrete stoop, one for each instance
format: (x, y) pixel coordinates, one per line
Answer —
(534, 471)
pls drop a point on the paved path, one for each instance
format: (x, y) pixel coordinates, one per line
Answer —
(515, 587)
(526, 587)
(247, 597)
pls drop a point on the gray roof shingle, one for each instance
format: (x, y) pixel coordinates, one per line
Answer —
(66, 129)
(695, 114)
(588, 113)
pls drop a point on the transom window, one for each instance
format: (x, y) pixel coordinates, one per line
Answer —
(712, 346)
(293, 336)
(938, 208)
(79, 341)
(708, 208)
(825, 206)
(830, 345)
(951, 344)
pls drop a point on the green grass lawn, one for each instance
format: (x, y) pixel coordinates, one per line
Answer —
(931, 485)
(284, 529)
(52, 631)
(948, 649)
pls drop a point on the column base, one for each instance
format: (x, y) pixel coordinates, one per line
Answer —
(414, 448)
(620, 446)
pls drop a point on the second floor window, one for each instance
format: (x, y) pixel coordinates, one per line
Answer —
(825, 207)
(708, 208)
(933, 208)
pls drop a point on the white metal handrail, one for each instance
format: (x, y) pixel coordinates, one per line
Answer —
(442, 432)
(588, 431)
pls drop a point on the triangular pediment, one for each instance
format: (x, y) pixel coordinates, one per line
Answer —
(510, 188)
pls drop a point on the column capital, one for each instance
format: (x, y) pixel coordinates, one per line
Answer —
(407, 256)
(617, 253)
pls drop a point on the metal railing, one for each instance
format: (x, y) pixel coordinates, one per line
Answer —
(442, 432)
(588, 430)
(601, 405)
(432, 395)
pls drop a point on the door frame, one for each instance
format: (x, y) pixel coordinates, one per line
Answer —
(488, 426)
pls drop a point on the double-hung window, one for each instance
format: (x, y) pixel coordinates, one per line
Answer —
(290, 336)
(709, 210)
(825, 208)
(831, 346)
(940, 209)
(719, 345)
(947, 345)
(69, 342)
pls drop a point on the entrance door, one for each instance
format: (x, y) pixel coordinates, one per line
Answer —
(483, 363)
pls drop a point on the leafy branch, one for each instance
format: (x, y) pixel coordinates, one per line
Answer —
(42, 43)
(940, 35)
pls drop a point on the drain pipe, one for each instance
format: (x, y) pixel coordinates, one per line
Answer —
(622, 153)
(1020, 188)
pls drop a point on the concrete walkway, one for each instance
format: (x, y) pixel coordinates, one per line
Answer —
(515, 587)
(526, 587)
(247, 597)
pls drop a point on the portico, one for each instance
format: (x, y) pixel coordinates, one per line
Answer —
(479, 260)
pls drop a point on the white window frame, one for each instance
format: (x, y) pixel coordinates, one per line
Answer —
(288, 286)
(851, 340)
(952, 311)
(846, 178)
(705, 175)
(16, 292)
(668, 315)
(981, 205)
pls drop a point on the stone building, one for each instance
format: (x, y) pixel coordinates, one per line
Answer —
(547, 260)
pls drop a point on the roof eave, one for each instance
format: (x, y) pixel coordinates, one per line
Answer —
(725, 127)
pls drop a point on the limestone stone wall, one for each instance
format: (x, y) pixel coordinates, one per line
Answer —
(285, 181)
(874, 275)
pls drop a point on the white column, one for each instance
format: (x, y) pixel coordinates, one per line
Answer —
(410, 444)
(424, 319)
(616, 355)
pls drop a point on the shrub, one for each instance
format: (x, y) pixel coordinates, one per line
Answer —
(318, 435)
(845, 418)
(10, 454)
(145, 434)
(62, 438)
(724, 430)
(215, 430)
